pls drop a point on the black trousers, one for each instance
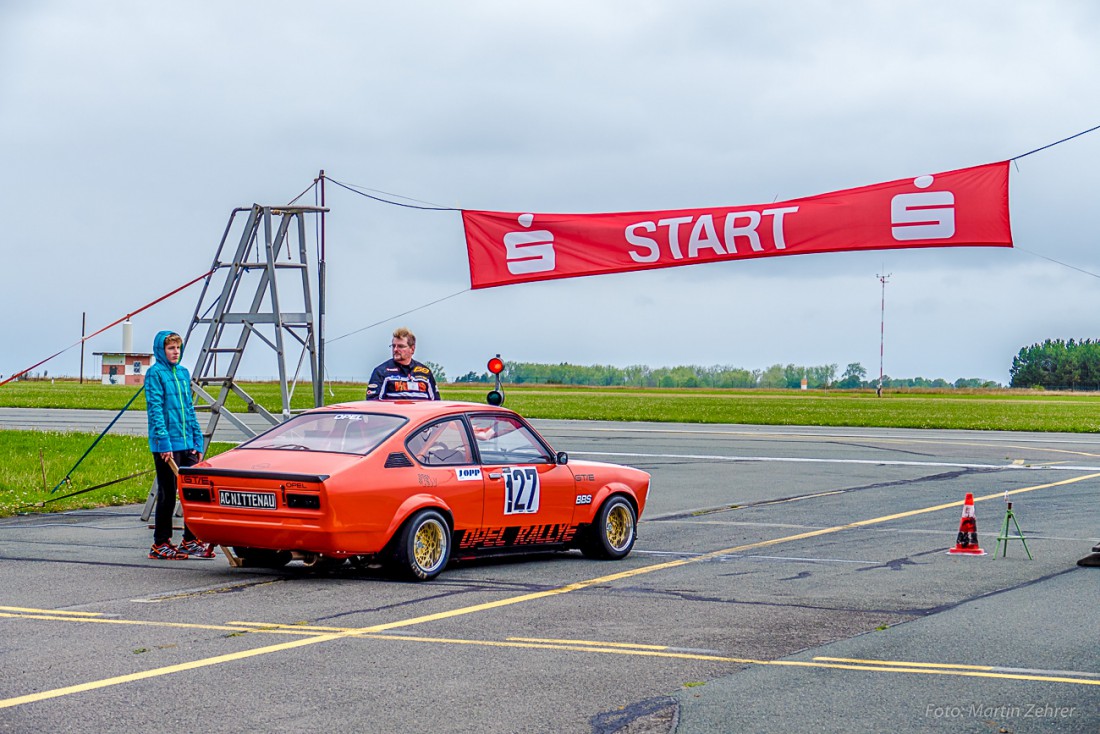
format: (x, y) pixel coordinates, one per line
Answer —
(166, 496)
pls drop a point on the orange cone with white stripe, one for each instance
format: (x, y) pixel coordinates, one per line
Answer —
(967, 542)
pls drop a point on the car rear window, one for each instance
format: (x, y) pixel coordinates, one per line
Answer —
(344, 433)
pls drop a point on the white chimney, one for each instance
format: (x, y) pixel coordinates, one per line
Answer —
(127, 337)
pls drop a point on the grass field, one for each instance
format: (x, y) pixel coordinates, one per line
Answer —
(32, 476)
(36, 461)
(1004, 410)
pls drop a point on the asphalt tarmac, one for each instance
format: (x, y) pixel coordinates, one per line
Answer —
(784, 579)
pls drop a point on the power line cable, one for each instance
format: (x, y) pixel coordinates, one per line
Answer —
(397, 316)
(108, 326)
(299, 196)
(1058, 142)
(429, 206)
(1057, 262)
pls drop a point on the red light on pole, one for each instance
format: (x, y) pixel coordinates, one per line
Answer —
(496, 396)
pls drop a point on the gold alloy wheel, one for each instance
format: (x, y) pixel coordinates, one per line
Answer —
(620, 527)
(429, 545)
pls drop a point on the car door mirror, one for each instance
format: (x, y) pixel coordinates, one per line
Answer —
(563, 458)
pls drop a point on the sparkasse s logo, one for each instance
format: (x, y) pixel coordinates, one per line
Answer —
(529, 251)
(929, 215)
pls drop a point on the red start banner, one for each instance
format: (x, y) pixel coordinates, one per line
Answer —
(963, 208)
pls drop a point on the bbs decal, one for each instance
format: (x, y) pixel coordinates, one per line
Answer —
(521, 490)
(584, 499)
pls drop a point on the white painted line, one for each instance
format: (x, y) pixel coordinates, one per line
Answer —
(939, 436)
(801, 460)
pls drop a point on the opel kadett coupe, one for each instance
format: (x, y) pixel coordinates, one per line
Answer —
(410, 484)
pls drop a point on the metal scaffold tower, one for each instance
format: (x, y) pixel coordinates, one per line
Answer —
(266, 298)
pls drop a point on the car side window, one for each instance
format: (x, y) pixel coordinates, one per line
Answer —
(504, 439)
(441, 444)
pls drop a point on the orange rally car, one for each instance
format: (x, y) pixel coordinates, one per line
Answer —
(408, 483)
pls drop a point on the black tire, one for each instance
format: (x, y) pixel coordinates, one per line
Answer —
(262, 558)
(613, 532)
(423, 546)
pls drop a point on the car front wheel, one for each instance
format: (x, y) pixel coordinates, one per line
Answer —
(424, 546)
(612, 534)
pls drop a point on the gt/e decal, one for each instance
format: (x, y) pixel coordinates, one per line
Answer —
(584, 478)
(521, 490)
(584, 499)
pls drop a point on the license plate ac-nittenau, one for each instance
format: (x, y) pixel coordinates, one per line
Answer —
(248, 500)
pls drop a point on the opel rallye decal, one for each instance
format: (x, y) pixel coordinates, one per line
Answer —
(488, 538)
(521, 490)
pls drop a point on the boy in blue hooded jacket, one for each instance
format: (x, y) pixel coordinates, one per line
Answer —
(174, 437)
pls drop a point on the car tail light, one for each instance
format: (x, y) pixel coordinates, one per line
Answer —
(196, 494)
(303, 501)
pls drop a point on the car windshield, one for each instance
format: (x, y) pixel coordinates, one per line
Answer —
(345, 433)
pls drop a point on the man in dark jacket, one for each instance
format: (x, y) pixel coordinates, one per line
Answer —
(402, 378)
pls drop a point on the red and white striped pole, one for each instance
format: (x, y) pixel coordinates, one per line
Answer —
(882, 330)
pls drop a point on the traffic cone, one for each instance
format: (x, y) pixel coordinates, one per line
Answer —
(967, 541)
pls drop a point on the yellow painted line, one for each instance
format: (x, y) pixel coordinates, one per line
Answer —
(870, 666)
(614, 648)
(145, 623)
(50, 611)
(906, 663)
(630, 645)
(157, 672)
(909, 668)
(231, 657)
(949, 666)
(268, 626)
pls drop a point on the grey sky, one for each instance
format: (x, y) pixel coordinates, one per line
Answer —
(129, 130)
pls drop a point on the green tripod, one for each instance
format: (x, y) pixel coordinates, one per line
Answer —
(1004, 537)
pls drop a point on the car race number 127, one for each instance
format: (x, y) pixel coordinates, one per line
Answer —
(521, 489)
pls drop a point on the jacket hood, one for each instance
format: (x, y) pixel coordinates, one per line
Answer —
(158, 348)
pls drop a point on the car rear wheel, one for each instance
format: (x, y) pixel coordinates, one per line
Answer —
(424, 546)
(613, 533)
(262, 558)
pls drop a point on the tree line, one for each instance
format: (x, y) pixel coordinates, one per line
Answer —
(777, 376)
(1057, 365)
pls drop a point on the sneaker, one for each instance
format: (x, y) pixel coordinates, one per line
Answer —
(166, 552)
(197, 549)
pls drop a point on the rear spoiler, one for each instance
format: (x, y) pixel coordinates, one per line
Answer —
(250, 474)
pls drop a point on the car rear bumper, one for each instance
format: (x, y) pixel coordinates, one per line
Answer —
(282, 532)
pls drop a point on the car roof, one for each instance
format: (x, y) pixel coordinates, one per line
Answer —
(412, 409)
